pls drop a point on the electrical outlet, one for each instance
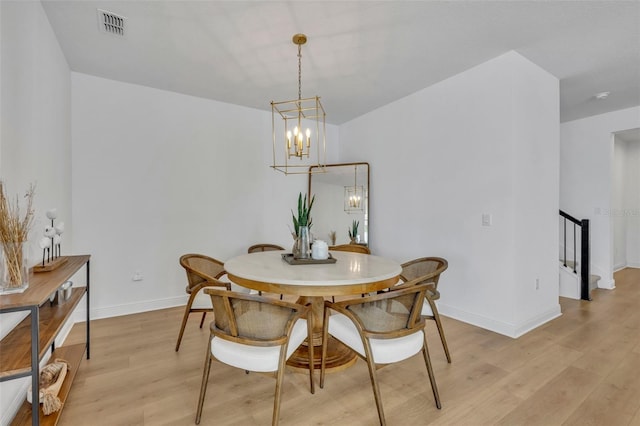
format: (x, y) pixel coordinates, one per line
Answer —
(137, 276)
(486, 219)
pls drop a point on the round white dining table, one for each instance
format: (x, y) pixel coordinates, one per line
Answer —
(351, 274)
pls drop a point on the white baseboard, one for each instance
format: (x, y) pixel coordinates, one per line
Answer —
(619, 266)
(127, 309)
(633, 265)
(500, 327)
(538, 320)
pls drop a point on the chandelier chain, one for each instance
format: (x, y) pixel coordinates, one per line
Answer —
(299, 71)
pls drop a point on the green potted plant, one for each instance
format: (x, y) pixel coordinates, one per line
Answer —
(353, 232)
(301, 225)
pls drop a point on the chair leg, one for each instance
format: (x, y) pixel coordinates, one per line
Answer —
(376, 390)
(325, 339)
(310, 351)
(278, 392)
(187, 311)
(204, 314)
(432, 377)
(436, 317)
(203, 386)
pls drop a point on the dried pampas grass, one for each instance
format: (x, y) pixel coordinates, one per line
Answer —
(14, 232)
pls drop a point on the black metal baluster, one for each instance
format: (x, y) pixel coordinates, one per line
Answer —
(574, 249)
(586, 259)
(564, 225)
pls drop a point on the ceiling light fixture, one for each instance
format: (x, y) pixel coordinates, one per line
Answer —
(353, 195)
(303, 130)
(602, 95)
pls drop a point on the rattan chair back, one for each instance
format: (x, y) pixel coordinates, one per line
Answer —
(355, 248)
(201, 269)
(386, 315)
(264, 247)
(424, 270)
(251, 319)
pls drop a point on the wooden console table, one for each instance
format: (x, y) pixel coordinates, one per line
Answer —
(24, 347)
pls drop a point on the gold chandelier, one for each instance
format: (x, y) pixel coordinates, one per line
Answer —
(354, 195)
(303, 131)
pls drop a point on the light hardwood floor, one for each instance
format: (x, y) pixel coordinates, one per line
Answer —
(580, 369)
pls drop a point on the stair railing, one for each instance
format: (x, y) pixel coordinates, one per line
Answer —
(585, 251)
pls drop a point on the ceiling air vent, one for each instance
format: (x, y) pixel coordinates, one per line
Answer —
(111, 23)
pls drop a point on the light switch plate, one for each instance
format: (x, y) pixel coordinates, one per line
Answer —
(486, 219)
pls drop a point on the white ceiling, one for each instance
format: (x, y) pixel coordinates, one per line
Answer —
(360, 54)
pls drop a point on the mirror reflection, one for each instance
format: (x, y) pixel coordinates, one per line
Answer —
(341, 206)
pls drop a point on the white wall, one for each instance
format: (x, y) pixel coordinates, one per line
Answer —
(619, 203)
(632, 211)
(626, 204)
(586, 179)
(535, 139)
(484, 141)
(35, 130)
(158, 174)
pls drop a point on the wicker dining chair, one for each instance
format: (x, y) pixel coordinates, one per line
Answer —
(427, 270)
(382, 329)
(256, 333)
(202, 271)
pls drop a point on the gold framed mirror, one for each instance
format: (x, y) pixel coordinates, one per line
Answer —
(342, 201)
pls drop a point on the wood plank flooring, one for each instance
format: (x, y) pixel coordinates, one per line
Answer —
(583, 368)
